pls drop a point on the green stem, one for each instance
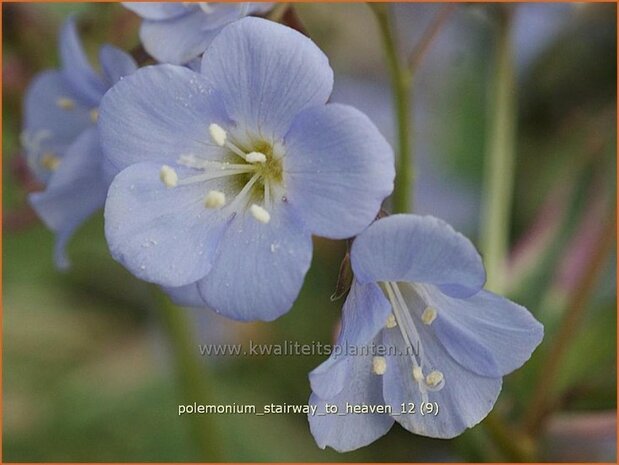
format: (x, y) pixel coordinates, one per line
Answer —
(499, 164)
(190, 372)
(497, 200)
(401, 82)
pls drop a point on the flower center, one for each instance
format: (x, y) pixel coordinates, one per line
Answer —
(403, 319)
(255, 172)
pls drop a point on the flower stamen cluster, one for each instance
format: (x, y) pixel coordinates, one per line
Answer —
(260, 175)
(403, 318)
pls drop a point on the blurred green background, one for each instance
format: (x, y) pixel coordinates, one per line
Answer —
(87, 370)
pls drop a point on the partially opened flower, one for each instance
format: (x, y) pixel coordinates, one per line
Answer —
(430, 333)
(227, 173)
(60, 137)
(177, 32)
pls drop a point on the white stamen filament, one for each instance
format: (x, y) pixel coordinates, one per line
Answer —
(192, 161)
(236, 150)
(168, 176)
(409, 324)
(260, 213)
(403, 317)
(215, 199)
(213, 175)
(398, 314)
(241, 196)
(379, 365)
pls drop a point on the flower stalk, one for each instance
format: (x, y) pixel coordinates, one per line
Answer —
(401, 83)
(402, 73)
(499, 163)
(190, 372)
(497, 200)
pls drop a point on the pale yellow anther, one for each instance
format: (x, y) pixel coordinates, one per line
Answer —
(255, 157)
(260, 213)
(434, 378)
(218, 134)
(65, 103)
(429, 315)
(379, 365)
(391, 323)
(50, 161)
(94, 115)
(168, 176)
(214, 199)
(417, 374)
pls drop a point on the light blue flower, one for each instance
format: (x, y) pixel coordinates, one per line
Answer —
(227, 173)
(429, 334)
(60, 137)
(178, 32)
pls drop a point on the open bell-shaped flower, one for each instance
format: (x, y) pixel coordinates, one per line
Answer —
(225, 174)
(418, 296)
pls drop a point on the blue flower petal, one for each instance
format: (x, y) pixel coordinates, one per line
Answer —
(194, 64)
(158, 10)
(339, 169)
(178, 40)
(330, 377)
(364, 314)
(353, 430)
(75, 191)
(162, 235)
(485, 324)
(420, 249)
(267, 74)
(76, 68)
(158, 114)
(260, 267)
(216, 16)
(115, 63)
(465, 399)
(186, 296)
(48, 128)
(256, 8)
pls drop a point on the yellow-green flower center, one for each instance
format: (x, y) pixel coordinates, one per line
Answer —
(254, 170)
